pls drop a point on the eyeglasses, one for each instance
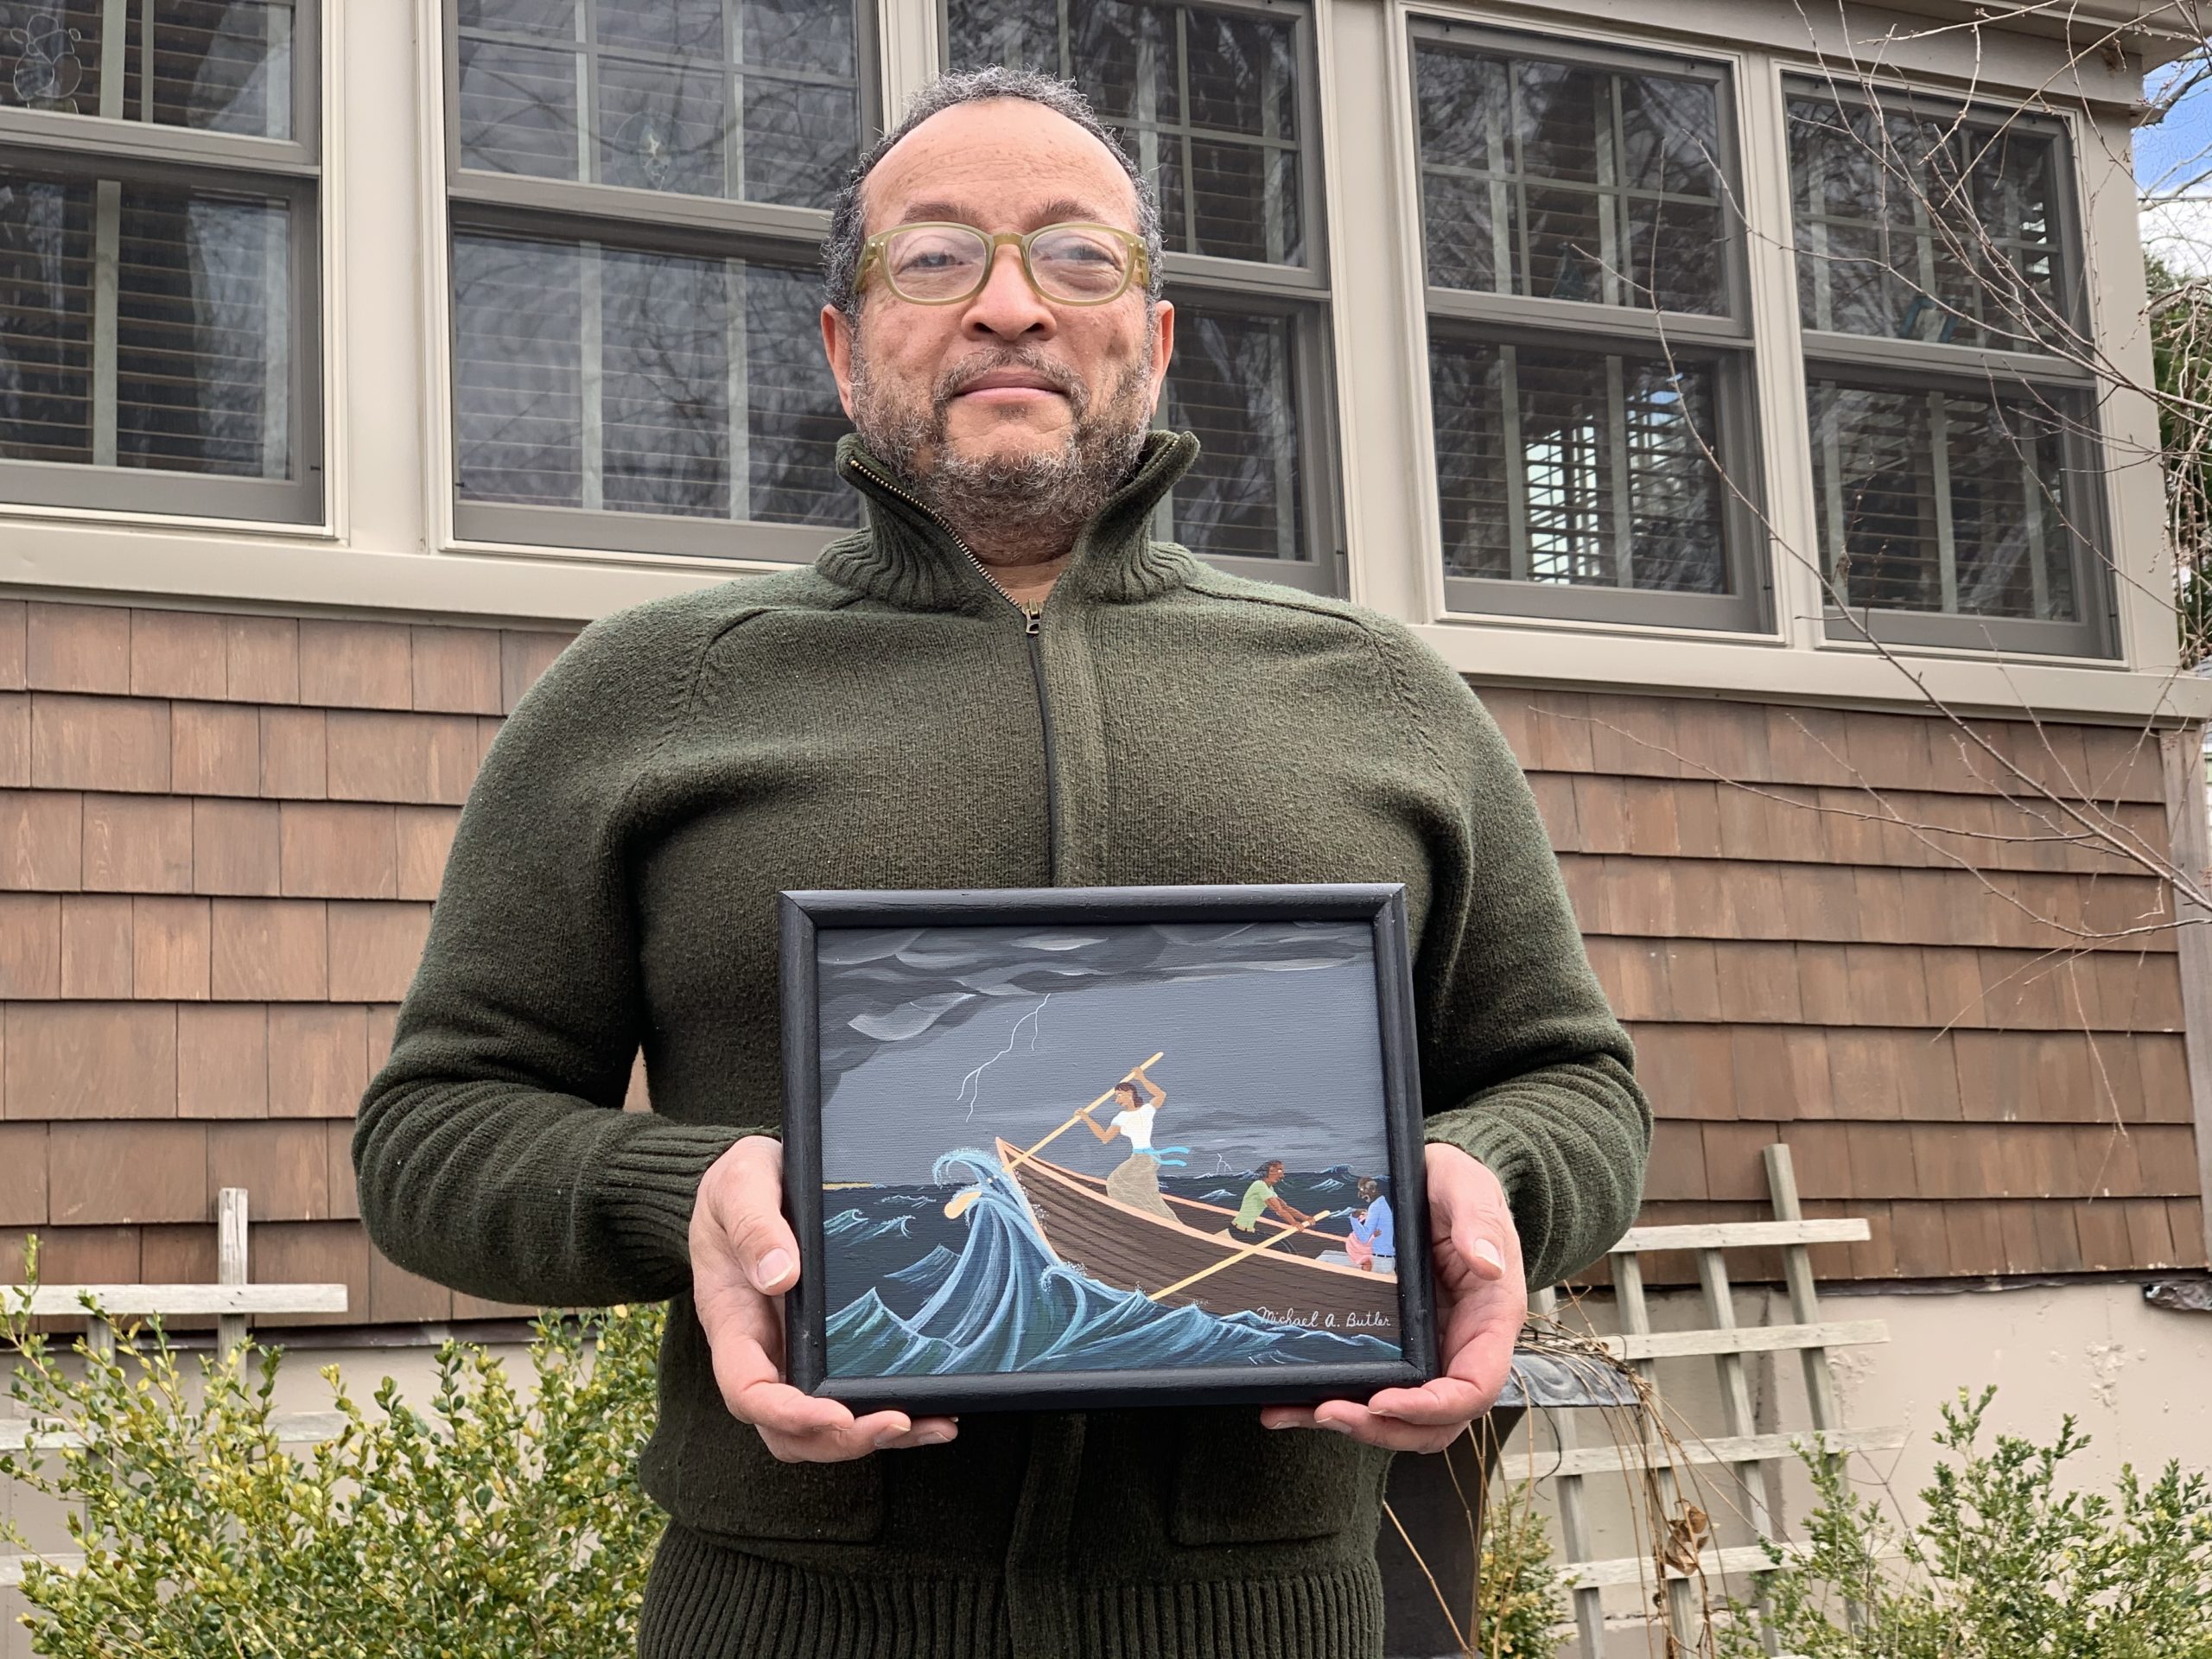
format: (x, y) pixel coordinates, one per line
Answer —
(934, 263)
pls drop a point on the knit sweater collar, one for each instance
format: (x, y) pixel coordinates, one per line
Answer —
(908, 556)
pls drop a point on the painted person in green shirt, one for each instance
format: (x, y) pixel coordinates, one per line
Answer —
(1261, 1195)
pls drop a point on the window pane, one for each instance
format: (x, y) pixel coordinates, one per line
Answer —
(224, 66)
(753, 100)
(605, 378)
(1577, 468)
(189, 370)
(1572, 181)
(1927, 227)
(1207, 101)
(1230, 382)
(1959, 503)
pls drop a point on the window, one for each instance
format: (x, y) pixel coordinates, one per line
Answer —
(639, 189)
(158, 271)
(1955, 458)
(1588, 339)
(1216, 103)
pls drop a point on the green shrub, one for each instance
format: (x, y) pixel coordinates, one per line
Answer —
(2005, 1565)
(1520, 1599)
(484, 1528)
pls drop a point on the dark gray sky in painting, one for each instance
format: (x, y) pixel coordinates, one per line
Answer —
(943, 1038)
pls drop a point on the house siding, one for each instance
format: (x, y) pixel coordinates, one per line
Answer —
(221, 835)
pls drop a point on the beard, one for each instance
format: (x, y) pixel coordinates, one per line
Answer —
(1038, 500)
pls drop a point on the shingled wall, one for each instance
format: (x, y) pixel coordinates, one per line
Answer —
(220, 835)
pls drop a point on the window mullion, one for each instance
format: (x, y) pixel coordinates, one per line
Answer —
(740, 446)
(1183, 143)
(734, 101)
(107, 270)
(1624, 537)
(1612, 192)
(1515, 461)
(591, 376)
(587, 35)
(1946, 547)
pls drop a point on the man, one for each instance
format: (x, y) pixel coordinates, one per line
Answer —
(1000, 682)
(1262, 1196)
(1135, 1179)
(1374, 1231)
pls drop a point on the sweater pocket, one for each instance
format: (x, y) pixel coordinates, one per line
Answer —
(1237, 1483)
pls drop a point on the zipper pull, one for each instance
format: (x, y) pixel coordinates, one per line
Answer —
(1035, 611)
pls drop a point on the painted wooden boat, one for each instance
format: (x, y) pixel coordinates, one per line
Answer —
(1131, 1250)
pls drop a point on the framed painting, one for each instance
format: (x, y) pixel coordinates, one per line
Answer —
(1071, 1147)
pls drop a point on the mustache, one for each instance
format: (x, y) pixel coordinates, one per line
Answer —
(962, 375)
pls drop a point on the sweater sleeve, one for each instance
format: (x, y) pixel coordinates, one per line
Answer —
(491, 1152)
(1523, 1066)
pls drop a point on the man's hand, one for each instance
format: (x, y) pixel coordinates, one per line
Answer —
(1482, 1302)
(743, 1259)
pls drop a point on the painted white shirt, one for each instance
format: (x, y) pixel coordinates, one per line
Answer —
(1136, 1125)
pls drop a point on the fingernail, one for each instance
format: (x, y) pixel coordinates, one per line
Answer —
(1488, 1252)
(768, 1272)
(935, 1437)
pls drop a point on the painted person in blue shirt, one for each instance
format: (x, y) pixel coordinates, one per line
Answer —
(1373, 1229)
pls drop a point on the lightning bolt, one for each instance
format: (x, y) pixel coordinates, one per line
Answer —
(971, 1086)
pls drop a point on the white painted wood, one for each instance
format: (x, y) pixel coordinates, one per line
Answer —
(1638, 1569)
(1683, 1614)
(1743, 1235)
(1574, 1524)
(1729, 1449)
(230, 1264)
(170, 1299)
(1752, 1340)
(293, 1428)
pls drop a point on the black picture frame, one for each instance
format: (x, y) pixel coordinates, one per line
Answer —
(805, 915)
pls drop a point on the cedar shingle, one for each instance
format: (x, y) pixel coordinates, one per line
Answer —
(2108, 1161)
(138, 844)
(1688, 1070)
(398, 1295)
(1863, 1070)
(169, 949)
(216, 748)
(90, 1059)
(1882, 913)
(1928, 1074)
(355, 665)
(1876, 1257)
(1746, 822)
(2185, 1217)
(1507, 707)
(1801, 901)
(1632, 974)
(1554, 793)
(382, 1019)
(421, 758)
(1559, 726)
(86, 1256)
(1887, 984)
(318, 1060)
(285, 1167)
(1586, 892)
(1721, 740)
(1885, 1160)
(425, 837)
(177, 654)
(234, 848)
(2057, 1246)
(42, 840)
(270, 950)
(2016, 1229)
(1921, 1241)
(2123, 764)
(487, 730)
(1824, 985)
(524, 655)
(118, 1173)
(2101, 1226)
(1810, 746)
(1975, 1236)
(1782, 1072)
(2150, 1240)
(339, 849)
(1693, 980)
(1954, 987)
(222, 1060)
(1676, 1169)
(456, 670)
(22, 1175)
(119, 743)
(1820, 1155)
(181, 1253)
(375, 949)
(2164, 1061)
(338, 1157)
(1600, 812)
(1734, 1159)
(261, 654)
(14, 648)
(1699, 901)
(30, 944)
(77, 647)
(1889, 751)
(1637, 899)
(1634, 736)
(315, 1252)
(15, 739)
(1649, 806)
(1697, 818)
(95, 946)
(1957, 1160)
(295, 753)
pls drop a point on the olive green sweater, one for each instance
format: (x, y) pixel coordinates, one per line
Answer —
(886, 719)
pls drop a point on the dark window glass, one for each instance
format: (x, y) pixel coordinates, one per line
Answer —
(606, 379)
(1956, 503)
(1569, 181)
(198, 376)
(222, 65)
(1205, 100)
(1930, 227)
(1231, 383)
(756, 100)
(1576, 468)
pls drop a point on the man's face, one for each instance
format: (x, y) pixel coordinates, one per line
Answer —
(1272, 1173)
(1007, 385)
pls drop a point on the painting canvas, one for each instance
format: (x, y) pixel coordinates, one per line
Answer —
(1096, 1142)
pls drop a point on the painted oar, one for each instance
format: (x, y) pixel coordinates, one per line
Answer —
(1231, 1260)
(956, 1206)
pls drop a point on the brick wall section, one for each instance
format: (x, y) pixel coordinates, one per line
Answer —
(1919, 1013)
(220, 838)
(221, 835)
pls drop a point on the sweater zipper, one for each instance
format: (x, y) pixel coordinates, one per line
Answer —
(1032, 617)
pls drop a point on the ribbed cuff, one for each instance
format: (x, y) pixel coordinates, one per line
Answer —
(649, 1183)
(705, 1599)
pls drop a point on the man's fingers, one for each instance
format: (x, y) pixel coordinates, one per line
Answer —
(1448, 1400)
(926, 1431)
(1350, 1418)
(743, 1204)
(837, 1443)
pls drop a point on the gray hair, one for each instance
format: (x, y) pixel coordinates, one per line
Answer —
(840, 251)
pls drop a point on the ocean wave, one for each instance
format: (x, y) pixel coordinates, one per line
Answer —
(855, 1227)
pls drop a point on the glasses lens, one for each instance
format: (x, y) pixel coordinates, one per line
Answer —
(1076, 263)
(936, 262)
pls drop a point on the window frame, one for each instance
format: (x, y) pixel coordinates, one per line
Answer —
(574, 212)
(1728, 341)
(103, 146)
(1301, 292)
(1891, 364)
